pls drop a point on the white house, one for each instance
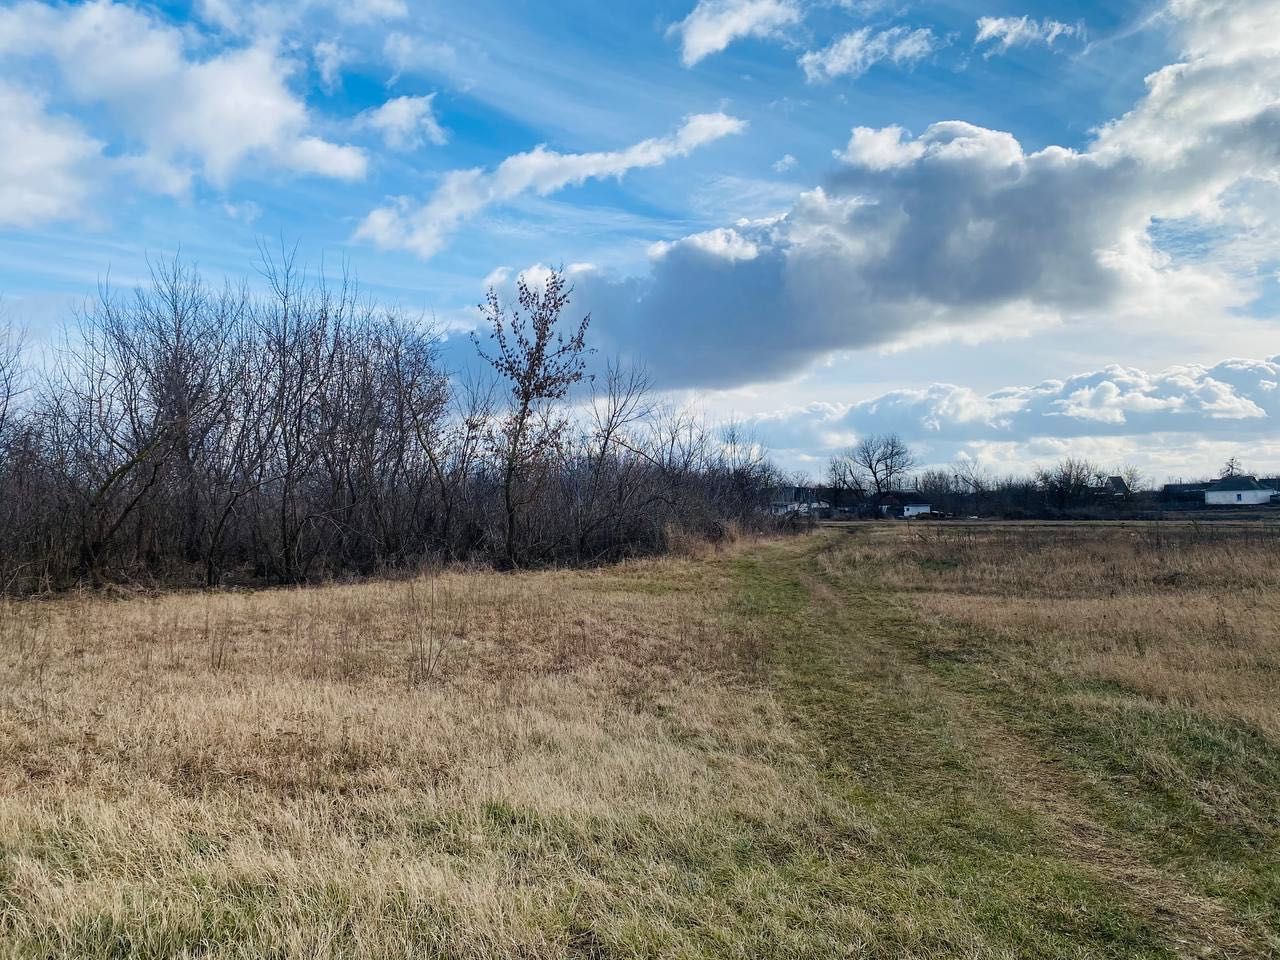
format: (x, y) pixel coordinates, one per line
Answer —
(903, 503)
(1237, 491)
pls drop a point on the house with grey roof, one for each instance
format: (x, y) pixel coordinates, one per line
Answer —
(1238, 492)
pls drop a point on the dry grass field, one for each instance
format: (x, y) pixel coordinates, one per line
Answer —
(881, 740)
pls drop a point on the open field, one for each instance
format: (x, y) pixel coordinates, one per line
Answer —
(887, 740)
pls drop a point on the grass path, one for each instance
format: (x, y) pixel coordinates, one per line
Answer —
(1002, 839)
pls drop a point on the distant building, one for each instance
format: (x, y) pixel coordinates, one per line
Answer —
(903, 503)
(798, 501)
(1113, 487)
(1238, 492)
(1184, 493)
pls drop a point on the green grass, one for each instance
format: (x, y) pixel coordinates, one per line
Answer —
(1192, 800)
(1199, 797)
(952, 867)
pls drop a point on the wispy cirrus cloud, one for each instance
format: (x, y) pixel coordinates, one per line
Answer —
(1008, 32)
(855, 53)
(425, 228)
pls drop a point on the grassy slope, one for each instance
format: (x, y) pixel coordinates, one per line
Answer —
(888, 793)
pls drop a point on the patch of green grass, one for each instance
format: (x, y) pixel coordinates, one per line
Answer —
(950, 866)
(1199, 796)
(1196, 796)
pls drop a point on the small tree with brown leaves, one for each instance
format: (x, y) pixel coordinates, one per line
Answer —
(541, 363)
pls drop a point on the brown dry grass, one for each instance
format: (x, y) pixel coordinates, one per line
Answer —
(911, 741)
(1185, 615)
(376, 769)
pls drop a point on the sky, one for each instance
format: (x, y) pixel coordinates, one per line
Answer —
(1011, 231)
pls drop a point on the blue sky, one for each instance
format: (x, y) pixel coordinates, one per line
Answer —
(1016, 229)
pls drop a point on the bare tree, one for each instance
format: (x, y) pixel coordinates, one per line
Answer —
(187, 434)
(974, 481)
(881, 462)
(611, 484)
(1135, 481)
(11, 370)
(1066, 484)
(541, 364)
(843, 480)
(938, 487)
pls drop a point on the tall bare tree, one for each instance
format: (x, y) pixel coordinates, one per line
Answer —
(880, 462)
(540, 362)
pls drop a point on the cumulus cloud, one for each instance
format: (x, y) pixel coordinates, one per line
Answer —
(1229, 397)
(45, 165)
(1008, 32)
(1235, 401)
(881, 149)
(855, 53)
(784, 163)
(176, 114)
(425, 228)
(714, 24)
(405, 123)
(914, 237)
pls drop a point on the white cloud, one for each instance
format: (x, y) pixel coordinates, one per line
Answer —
(370, 11)
(960, 231)
(725, 244)
(882, 149)
(1114, 411)
(45, 164)
(425, 228)
(330, 58)
(244, 17)
(246, 212)
(1009, 32)
(714, 24)
(855, 53)
(406, 122)
(412, 54)
(785, 163)
(173, 114)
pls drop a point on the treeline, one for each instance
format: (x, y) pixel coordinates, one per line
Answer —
(881, 467)
(191, 434)
(1073, 487)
